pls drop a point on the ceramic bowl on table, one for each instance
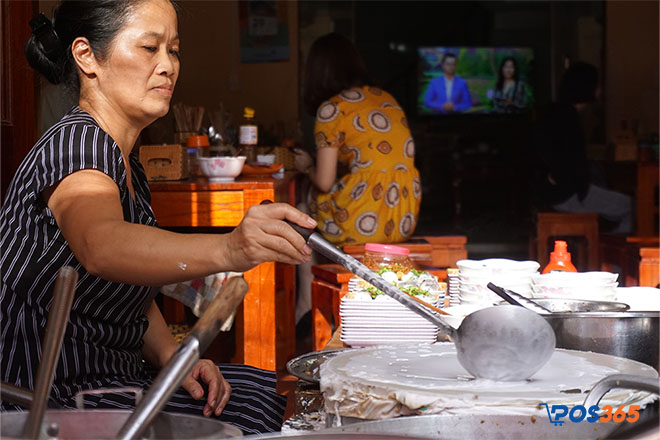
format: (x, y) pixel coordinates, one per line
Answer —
(221, 169)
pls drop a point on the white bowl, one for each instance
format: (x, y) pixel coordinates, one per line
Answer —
(221, 169)
(594, 278)
(495, 266)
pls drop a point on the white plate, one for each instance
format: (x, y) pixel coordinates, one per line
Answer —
(364, 342)
(390, 331)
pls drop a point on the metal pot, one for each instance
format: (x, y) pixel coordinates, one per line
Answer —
(86, 424)
(632, 335)
(449, 427)
(558, 305)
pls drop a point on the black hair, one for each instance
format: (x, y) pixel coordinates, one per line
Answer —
(48, 50)
(333, 64)
(447, 55)
(500, 77)
(579, 83)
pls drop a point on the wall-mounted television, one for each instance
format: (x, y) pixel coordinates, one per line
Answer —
(474, 80)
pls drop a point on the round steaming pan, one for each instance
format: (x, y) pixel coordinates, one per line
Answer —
(104, 424)
(449, 427)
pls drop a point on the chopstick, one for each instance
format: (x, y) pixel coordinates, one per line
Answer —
(432, 307)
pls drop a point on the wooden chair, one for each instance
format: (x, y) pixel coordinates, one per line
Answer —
(555, 225)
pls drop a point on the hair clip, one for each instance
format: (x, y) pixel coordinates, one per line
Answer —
(43, 30)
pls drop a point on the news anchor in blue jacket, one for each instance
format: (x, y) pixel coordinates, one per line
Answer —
(448, 93)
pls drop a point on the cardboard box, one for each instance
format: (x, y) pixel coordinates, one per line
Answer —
(165, 162)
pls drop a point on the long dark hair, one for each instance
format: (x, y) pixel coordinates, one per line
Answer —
(48, 50)
(578, 83)
(500, 77)
(333, 64)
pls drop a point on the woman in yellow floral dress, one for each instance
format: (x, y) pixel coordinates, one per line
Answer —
(362, 129)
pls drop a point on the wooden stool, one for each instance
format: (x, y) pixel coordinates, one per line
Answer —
(632, 258)
(647, 199)
(329, 285)
(554, 224)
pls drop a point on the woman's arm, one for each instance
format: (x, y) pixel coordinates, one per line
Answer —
(160, 345)
(324, 173)
(87, 208)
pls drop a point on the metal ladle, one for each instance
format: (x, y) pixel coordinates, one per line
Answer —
(506, 343)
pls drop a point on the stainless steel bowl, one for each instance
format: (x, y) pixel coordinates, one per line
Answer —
(632, 335)
(579, 305)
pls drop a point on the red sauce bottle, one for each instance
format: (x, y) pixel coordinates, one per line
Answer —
(560, 259)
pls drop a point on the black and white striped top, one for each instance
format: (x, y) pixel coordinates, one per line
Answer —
(103, 339)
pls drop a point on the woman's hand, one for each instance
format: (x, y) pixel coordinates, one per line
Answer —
(303, 161)
(219, 389)
(263, 236)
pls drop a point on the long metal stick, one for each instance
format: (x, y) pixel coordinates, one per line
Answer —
(63, 294)
(321, 245)
(183, 360)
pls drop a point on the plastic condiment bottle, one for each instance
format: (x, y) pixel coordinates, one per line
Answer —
(377, 256)
(560, 259)
(248, 134)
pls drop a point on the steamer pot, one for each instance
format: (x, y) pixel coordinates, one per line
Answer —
(632, 335)
(100, 424)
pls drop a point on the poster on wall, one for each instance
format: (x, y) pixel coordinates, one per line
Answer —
(264, 31)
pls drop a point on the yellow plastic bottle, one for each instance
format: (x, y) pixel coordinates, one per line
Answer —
(560, 259)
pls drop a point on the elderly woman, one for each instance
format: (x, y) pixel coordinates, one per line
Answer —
(80, 198)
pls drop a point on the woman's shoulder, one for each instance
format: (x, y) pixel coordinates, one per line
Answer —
(365, 96)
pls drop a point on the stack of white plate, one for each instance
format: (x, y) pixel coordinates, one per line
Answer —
(382, 321)
(453, 287)
(474, 276)
(595, 286)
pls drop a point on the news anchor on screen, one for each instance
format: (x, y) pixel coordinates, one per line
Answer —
(448, 93)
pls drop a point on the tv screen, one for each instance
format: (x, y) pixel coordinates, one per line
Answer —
(458, 80)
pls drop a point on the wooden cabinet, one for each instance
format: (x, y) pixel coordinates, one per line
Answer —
(265, 326)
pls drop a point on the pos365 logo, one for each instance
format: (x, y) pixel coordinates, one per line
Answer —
(579, 413)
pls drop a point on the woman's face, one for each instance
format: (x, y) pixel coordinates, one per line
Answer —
(508, 69)
(142, 66)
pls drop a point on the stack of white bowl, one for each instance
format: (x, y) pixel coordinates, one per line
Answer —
(474, 276)
(594, 286)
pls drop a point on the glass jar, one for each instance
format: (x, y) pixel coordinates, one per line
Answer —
(198, 146)
(377, 256)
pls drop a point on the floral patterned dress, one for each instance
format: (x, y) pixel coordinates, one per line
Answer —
(378, 200)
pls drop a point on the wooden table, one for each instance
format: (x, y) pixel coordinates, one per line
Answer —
(265, 323)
